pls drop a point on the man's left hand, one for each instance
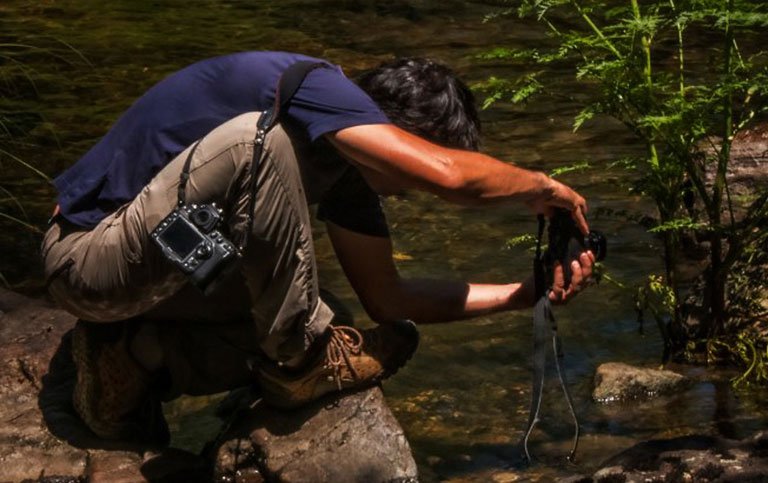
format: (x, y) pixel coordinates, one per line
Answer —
(581, 278)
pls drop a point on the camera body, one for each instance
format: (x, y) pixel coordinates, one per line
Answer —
(188, 238)
(566, 243)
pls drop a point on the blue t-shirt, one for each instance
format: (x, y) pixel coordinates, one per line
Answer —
(190, 103)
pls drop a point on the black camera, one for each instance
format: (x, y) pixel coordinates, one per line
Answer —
(566, 243)
(189, 239)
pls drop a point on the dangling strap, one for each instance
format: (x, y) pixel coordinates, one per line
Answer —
(287, 86)
(544, 324)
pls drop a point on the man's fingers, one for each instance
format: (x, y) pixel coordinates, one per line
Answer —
(558, 277)
(578, 217)
(586, 264)
(558, 284)
(577, 278)
(581, 274)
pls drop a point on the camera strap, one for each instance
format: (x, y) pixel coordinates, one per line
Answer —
(544, 330)
(287, 86)
(184, 176)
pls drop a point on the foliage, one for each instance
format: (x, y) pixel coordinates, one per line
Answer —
(635, 58)
(18, 83)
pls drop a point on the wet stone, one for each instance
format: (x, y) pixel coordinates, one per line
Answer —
(352, 438)
(615, 381)
(41, 439)
(696, 458)
(29, 336)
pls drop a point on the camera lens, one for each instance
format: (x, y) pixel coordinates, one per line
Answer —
(597, 243)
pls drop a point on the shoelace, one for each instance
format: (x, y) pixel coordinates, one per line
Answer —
(344, 340)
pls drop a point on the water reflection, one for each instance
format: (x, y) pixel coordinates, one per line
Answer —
(463, 399)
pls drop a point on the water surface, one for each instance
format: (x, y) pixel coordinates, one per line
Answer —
(463, 399)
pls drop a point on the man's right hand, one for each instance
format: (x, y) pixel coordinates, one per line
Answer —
(557, 195)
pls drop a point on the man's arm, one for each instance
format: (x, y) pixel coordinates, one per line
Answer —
(463, 177)
(367, 263)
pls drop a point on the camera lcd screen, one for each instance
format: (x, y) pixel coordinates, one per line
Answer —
(181, 238)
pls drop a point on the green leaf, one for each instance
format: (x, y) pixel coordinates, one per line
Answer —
(678, 225)
(527, 88)
(504, 53)
(527, 239)
(585, 115)
(569, 169)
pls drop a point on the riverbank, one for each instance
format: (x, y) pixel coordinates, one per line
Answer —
(327, 441)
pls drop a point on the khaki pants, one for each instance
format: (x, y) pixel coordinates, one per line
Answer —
(272, 307)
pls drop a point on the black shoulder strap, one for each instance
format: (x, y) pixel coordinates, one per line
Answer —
(287, 86)
(289, 83)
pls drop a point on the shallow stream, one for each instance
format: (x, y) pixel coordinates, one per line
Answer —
(463, 399)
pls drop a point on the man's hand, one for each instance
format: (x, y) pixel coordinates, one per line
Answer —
(558, 195)
(581, 278)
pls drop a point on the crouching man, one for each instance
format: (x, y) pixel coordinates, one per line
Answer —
(147, 335)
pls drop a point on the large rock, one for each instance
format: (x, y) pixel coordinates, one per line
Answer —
(350, 439)
(29, 337)
(748, 166)
(616, 381)
(690, 458)
(40, 436)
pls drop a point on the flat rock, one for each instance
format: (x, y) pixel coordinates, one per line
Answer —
(349, 439)
(616, 381)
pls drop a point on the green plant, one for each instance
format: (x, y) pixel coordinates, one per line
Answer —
(634, 57)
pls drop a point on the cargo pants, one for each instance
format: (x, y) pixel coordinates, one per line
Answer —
(270, 307)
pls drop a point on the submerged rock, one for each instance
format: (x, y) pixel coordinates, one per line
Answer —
(349, 439)
(616, 381)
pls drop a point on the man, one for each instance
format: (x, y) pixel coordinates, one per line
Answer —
(409, 125)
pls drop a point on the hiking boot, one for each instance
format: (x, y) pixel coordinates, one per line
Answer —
(350, 359)
(113, 393)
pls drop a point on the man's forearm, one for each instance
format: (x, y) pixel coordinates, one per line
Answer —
(464, 177)
(429, 301)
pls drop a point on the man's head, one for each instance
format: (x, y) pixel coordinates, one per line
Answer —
(426, 99)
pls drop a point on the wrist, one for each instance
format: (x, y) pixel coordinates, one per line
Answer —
(546, 186)
(521, 295)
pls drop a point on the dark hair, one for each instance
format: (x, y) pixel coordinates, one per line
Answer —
(426, 99)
